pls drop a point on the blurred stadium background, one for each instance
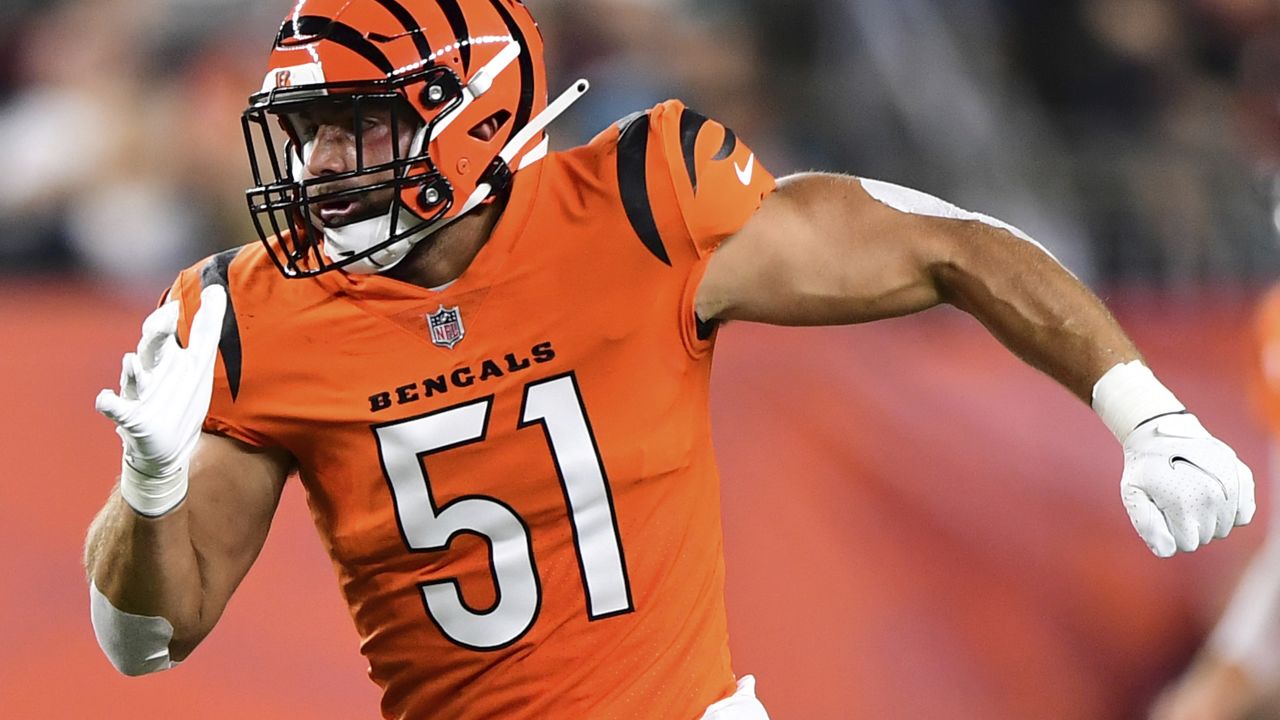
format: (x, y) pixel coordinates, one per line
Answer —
(916, 525)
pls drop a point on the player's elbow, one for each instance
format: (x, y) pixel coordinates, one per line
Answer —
(130, 660)
(137, 667)
(134, 644)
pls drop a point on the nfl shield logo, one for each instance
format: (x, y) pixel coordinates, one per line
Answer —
(446, 327)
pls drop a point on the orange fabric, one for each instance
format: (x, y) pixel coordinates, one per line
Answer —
(565, 296)
(728, 175)
(1266, 385)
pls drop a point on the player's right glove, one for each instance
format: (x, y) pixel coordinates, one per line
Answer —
(1181, 486)
(164, 396)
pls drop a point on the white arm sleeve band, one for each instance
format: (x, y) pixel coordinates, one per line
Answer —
(135, 644)
(906, 200)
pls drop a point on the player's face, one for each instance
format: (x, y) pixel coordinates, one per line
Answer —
(336, 139)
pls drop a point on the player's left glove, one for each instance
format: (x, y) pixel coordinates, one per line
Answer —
(164, 396)
(1182, 486)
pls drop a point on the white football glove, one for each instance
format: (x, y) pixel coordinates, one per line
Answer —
(1182, 486)
(164, 396)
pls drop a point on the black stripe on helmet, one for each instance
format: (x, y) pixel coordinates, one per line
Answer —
(690, 125)
(525, 110)
(633, 149)
(411, 26)
(215, 272)
(312, 28)
(458, 24)
(730, 144)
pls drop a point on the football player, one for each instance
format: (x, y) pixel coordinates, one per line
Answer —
(489, 367)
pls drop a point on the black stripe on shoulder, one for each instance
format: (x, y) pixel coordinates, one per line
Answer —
(704, 328)
(214, 272)
(311, 28)
(625, 122)
(633, 148)
(730, 144)
(458, 24)
(690, 125)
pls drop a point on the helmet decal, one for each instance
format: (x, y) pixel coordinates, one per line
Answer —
(306, 74)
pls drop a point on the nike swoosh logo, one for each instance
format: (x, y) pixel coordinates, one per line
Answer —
(745, 173)
(1173, 461)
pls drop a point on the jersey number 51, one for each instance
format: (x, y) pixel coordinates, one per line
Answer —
(556, 405)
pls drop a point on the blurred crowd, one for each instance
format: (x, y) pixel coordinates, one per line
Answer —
(1138, 139)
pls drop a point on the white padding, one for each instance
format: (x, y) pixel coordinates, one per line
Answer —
(1128, 395)
(135, 644)
(904, 199)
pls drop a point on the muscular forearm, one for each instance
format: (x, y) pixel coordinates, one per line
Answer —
(832, 249)
(169, 577)
(147, 566)
(1031, 304)
(829, 249)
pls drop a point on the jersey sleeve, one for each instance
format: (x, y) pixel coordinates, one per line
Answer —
(718, 182)
(223, 418)
(686, 183)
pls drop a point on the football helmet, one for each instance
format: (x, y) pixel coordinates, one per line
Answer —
(439, 70)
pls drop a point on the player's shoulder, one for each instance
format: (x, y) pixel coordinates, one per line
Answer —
(250, 261)
(680, 178)
(251, 278)
(670, 127)
(246, 271)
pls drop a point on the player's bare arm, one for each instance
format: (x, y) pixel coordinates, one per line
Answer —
(191, 510)
(184, 565)
(831, 249)
(822, 251)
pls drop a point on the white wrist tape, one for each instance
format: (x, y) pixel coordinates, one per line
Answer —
(152, 496)
(1128, 395)
(135, 644)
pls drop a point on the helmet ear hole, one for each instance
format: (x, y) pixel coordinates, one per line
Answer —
(488, 128)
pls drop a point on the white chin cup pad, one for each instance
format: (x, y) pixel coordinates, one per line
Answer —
(343, 242)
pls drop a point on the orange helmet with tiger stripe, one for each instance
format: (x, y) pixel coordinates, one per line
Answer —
(442, 68)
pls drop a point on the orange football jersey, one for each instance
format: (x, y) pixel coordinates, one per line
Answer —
(514, 475)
